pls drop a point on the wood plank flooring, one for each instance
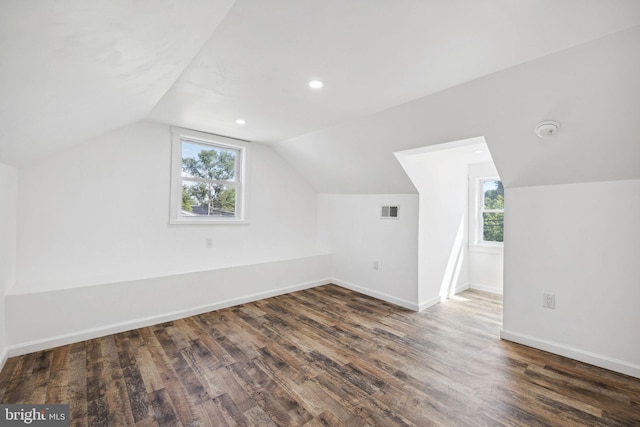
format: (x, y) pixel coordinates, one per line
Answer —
(323, 357)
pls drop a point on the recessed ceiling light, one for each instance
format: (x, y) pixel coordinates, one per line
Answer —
(478, 151)
(241, 121)
(315, 84)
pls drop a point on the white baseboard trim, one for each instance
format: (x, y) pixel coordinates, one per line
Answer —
(43, 344)
(486, 288)
(428, 303)
(461, 288)
(379, 295)
(3, 358)
(600, 360)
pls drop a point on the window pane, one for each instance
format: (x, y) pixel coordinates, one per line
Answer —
(207, 161)
(208, 199)
(493, 194)
(492, 226)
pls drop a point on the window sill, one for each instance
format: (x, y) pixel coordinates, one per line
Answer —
(487, 249)
(206, 221)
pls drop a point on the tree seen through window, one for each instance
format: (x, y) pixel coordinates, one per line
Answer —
(208, 180)
(493, 211)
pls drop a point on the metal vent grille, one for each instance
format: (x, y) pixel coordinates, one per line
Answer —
(390, 212)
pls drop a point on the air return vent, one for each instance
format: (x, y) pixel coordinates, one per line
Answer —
(389, 212)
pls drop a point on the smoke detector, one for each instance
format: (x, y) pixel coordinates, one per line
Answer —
(547, 128)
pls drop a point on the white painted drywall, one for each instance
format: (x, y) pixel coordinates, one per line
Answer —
(350, 227)
(441, 179)
(485, 262)
(407, 49)
(581, 87)
(580, 242)
(72, 71)
(96, 253)
(99, 213)
(485, 270)
(8, 200)
(62, 316)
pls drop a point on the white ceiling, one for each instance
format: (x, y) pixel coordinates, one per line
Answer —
(371, 54)
(410, 69)
(73, 69)
(593, 90)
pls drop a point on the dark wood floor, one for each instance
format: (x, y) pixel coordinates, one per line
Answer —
(322, 357)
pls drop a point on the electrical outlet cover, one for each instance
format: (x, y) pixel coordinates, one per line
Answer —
(548, 300)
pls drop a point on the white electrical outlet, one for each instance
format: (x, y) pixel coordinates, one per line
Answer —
(375, 265)
(549, 300)
(208, 242)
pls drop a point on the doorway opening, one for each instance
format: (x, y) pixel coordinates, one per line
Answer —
(453, 250)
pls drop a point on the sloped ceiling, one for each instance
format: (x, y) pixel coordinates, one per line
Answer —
(397, 75)
(593, 90)
(73, 69)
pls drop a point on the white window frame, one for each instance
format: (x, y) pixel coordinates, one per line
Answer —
(479, 242)
(241, 176)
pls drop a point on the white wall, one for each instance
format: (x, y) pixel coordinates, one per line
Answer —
(8, 199)
(349, 225)
(485, 263)
(443, 231)
(99, 214)
(580, 242)
(96, 253)
(62, 316)
(441, 179)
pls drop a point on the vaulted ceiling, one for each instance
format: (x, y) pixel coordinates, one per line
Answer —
(398, 75)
